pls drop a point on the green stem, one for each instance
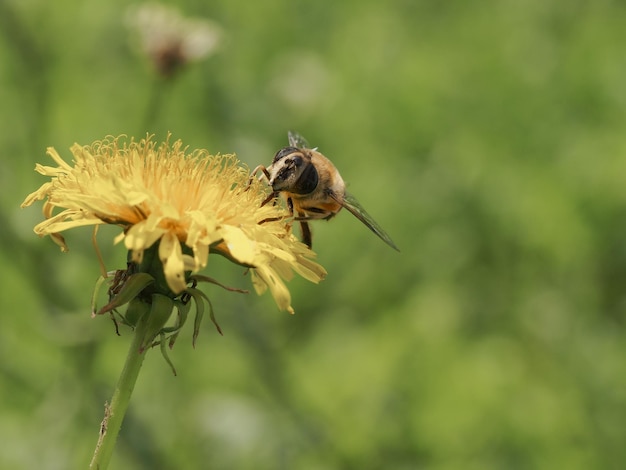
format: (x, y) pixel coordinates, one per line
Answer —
(114, 413)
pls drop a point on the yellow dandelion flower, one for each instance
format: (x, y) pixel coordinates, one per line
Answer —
(192, 203)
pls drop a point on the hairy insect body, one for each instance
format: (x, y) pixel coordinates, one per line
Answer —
(320, 186)
(313, 188)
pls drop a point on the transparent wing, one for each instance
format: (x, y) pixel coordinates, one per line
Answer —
(296, 140)
(354, 207)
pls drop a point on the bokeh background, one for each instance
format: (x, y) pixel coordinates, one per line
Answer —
(487, 137)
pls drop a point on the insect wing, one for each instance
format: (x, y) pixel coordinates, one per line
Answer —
(296, 140)
(354, 207)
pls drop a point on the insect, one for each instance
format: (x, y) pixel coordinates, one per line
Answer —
(312, 187)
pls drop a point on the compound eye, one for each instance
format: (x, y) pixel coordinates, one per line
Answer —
(296, 161)
(284, 153)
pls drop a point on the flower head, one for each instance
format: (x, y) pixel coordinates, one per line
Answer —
(191, 203)
(169, 39)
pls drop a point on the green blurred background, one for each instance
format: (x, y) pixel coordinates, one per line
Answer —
(487, 137)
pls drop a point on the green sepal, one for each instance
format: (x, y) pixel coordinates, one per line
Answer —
(160, 312)
(198, 297)
(131, 289)
(166, 355)
(203, 278)
(212, 317)
(136, 309)
(183, 312)
(96, 291)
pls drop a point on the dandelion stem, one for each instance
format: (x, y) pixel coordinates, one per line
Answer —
(115, 412)
(157, 93)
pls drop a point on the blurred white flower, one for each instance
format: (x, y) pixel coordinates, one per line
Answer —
(169, 39)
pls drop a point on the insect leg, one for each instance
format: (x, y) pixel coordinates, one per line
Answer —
(270, 219)
(269, 198)
(307, 239)
(255, 171)
(274, 219)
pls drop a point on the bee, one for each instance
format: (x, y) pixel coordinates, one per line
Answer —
(312, 187)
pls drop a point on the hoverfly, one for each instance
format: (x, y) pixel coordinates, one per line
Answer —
(312, 187)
